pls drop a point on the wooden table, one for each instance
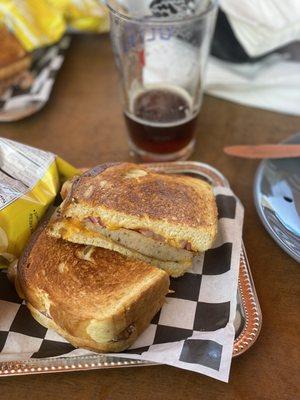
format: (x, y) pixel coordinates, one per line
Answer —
(82, 122)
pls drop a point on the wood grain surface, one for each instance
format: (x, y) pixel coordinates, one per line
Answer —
(82, 122)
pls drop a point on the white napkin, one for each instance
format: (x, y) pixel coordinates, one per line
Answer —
(263, 25)
(271, 84)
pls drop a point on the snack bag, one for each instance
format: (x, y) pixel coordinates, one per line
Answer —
(84, 15)
(29, 182)
(38, 23)
(35, 23)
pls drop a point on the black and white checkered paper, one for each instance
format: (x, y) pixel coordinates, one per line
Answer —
(194, 329)
(17, 103)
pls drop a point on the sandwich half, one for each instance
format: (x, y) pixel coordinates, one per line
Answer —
(94, 297)
(14, 60)
(161, 219)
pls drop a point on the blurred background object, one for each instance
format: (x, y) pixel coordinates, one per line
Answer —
(32, 48)
(34, 23)
(255, 57)
(14, 60)
(41, 23)
(161, 53)
(84, 15)
(256, 54)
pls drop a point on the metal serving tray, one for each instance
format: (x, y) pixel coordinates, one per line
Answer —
(248, 317)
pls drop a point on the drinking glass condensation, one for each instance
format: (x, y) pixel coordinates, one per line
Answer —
(161, 52)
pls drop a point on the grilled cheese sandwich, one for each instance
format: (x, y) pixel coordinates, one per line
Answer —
(164, 220)
(94, 297)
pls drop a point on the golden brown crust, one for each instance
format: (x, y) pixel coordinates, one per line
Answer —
(10, 48)
(13, 58)
(84, 284)
(13, 73)
(105, 347)
(175, 199)
(91, 295)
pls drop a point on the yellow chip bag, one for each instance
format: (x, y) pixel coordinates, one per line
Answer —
(38, 23)
(29, 182)
(35, 23)
(84, 15)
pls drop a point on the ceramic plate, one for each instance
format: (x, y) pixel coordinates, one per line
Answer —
(277, 199)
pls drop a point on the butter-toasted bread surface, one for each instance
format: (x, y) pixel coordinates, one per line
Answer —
(13, 57)
(11, 49)
(125, 195)
(94, 297)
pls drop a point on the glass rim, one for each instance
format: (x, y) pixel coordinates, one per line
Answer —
(158, 21)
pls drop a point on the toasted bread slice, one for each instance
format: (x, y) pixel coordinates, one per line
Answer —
(13, 57)
(95, 298)
(178, 210)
